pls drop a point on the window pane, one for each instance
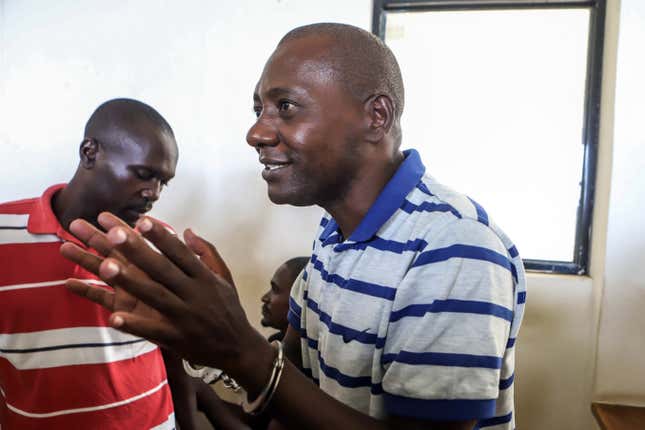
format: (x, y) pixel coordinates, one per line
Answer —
(494, 103)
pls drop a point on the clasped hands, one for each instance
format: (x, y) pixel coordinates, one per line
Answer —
(181, 298)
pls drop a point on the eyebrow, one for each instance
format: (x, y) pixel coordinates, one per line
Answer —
(159, 174)
(277, 92)
(273, 284)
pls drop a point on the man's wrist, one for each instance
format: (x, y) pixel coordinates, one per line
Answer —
(260, 402)
(253, 369)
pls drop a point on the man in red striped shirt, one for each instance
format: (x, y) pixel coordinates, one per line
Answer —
(61, 365)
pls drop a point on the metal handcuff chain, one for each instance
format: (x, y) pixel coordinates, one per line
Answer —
(210, 375)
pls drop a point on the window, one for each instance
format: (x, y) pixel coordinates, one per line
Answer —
(502, 102)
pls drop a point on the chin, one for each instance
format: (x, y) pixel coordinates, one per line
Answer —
(293, 199)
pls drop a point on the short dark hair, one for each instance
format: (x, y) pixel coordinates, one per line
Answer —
(120, 111)
(296, 264)
(364, 63)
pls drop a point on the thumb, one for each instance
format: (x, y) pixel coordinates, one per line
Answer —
(208, 254)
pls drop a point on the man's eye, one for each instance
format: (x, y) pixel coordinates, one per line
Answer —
(285, 106)
(144, 175)
(257, 110)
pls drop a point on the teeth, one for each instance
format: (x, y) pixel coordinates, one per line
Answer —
(273, 166)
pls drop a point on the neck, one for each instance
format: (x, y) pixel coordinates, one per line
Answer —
(68, 204)
(350, 210)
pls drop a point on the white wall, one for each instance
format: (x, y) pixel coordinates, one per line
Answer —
(620, 376)
(198, 61)
(554, 354)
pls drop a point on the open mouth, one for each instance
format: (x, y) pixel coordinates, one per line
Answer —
(273, 167)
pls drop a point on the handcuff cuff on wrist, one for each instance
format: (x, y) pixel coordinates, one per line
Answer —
(210, 375)
(260, 403)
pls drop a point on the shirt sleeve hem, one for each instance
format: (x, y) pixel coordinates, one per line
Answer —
(439, 409)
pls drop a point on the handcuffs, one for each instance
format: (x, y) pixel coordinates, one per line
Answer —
(210, 375)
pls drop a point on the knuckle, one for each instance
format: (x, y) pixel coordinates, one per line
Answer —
(131, 240)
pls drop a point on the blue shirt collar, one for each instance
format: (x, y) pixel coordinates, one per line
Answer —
(389, 200)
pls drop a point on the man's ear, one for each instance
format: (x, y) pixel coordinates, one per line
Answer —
(380, 113)
(87, 151)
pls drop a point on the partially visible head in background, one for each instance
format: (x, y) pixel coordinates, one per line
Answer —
(275, 302)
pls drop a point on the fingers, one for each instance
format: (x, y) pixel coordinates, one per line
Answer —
(92, 237)
(208, 255)
(108, 220)
(171, 246)
(96, 294)
(157, 331)
(83, 258)
(137, 252)
(116, 273)
(137, 283)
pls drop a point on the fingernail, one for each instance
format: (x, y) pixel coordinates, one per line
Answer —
(101, 218)
(144, 225)
(117, 322)
(110, 269)
(117, 236)
(75, 225)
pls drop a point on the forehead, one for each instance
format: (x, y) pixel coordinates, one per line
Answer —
(145, 145)
(283, 277)
(299, 65)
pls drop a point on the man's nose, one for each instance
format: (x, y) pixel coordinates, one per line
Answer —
(265, 298)
(152, 191)
(262, 133)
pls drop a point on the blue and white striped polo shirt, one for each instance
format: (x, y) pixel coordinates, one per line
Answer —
(416, 314)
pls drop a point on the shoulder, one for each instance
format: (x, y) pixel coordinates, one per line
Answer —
(445, 213)
(462, 240)
(473, 225)
(17, 207)
(15, 215)
(462, 206)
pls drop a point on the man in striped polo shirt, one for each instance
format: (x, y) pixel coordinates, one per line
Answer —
(61, 365)
(406, 316)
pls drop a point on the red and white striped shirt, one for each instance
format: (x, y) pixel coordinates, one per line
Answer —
(61, 365)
